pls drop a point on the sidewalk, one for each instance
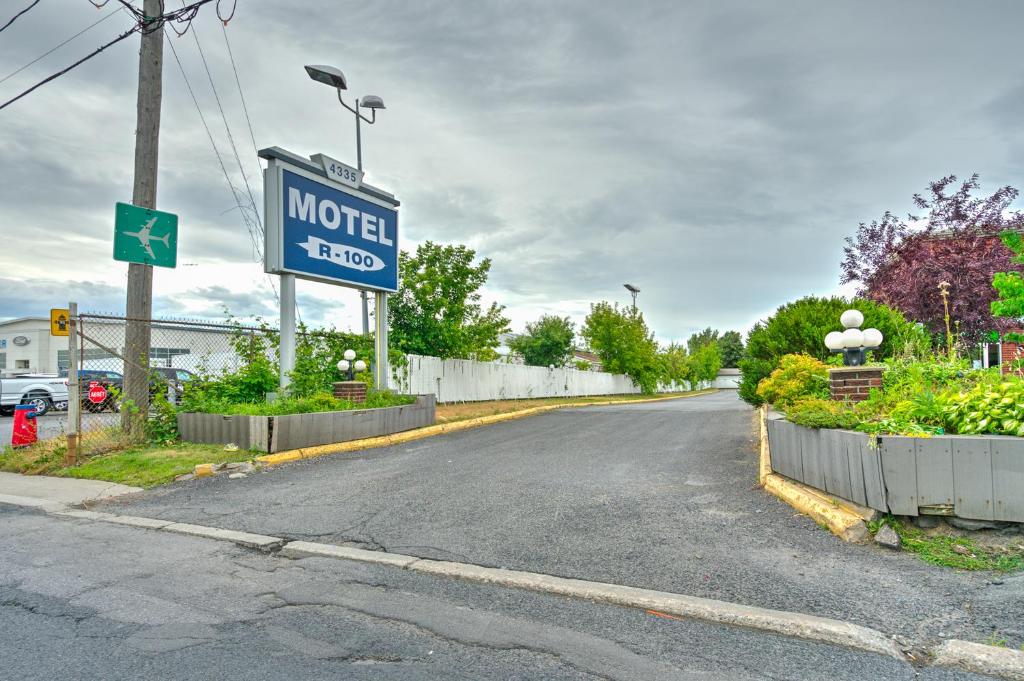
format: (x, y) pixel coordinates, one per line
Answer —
(69, 491)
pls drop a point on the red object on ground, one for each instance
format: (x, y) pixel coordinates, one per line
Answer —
(25, 432)
(97, 393)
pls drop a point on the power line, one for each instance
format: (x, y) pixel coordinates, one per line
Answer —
(144, 24)
(57, 47)
(238, 82)
(60, 73)
(18, 15)
(250, 228)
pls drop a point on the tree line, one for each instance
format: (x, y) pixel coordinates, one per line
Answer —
(438, 312)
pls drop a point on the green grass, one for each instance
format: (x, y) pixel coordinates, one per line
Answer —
(961, 553)
(138, 465)
(145, 466)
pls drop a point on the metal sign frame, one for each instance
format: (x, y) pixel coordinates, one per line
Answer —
(275, 206)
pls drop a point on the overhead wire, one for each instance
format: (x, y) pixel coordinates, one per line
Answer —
(15, 17)
(61, 44)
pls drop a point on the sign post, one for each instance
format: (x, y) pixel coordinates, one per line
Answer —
(74, 391)
(328, 227)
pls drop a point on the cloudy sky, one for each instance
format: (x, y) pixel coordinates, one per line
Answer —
(714, 154)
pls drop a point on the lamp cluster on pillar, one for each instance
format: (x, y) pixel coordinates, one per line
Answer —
(350, 389)
(853, 343)
(854, 382)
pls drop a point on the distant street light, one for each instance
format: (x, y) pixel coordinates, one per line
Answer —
(633, 291)
(332, 76)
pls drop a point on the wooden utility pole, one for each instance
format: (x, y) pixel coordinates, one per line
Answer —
(140, 277)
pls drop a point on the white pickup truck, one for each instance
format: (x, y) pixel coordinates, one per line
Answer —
(42, 391)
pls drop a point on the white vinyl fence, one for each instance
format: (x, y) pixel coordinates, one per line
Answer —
(463, 380)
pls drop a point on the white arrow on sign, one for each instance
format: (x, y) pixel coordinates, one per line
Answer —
(339, 254)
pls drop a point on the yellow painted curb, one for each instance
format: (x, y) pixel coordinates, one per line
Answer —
(843, 518)
(442, 428)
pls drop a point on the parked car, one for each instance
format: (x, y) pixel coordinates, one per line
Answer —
(42, 391)
(164, 377)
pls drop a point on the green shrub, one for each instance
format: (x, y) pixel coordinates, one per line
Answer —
(318, 402)
(752, 371)
(985, 408)
(798, 376)
(801, 326)
(817, 412)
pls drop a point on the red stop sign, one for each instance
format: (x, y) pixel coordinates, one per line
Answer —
(97, 393)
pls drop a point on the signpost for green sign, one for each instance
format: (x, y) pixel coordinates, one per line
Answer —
(145, 236)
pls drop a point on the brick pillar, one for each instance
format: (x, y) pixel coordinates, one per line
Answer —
(353, 391)
(853, 384)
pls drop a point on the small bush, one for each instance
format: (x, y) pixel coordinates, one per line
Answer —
(986, 408)
(817, 412)
(318, 402)
(798, 377)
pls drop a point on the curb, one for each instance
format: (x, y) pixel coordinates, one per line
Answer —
(974, 657)
(1004, 663)
(843, 518)
(443, 428)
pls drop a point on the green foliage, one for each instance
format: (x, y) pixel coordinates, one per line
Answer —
(675, 363)
(162, 424)
(798, 376)
(437, 310)
(986, 408)
(624, 344)
(698, 340)
(582, 365)
(1010, 285)
(547, 341)
(752, 372)
(316, 360)
(317, 402)
(801, 326)
(819, 412)
(704, 362)
(730, 345)
(257, 375)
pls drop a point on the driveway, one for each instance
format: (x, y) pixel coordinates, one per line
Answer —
(659, 495)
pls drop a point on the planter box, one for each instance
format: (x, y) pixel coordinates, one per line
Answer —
(980, 477)
(280, 433)
(843, 463)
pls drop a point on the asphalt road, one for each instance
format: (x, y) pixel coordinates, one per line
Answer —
(85, 600)
(54, 424)
(659, 495)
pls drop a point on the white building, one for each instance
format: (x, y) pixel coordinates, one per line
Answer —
(26, 346)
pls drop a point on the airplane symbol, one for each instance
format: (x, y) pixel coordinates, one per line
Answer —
(144, 237)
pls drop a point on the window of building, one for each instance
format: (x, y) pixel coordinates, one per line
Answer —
(3, 360)
(163, 356)
(21, 364)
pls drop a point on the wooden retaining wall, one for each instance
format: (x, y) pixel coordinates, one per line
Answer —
(281, 433)
(972, 476)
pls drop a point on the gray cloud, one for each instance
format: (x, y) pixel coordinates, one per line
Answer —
(713, 154)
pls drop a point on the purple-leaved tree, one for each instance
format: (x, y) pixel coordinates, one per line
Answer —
(902, 262)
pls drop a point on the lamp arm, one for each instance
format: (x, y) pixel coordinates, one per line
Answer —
(346, 105)
(372, 119)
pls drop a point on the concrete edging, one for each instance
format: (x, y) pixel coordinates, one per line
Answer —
(443, 428)
(843, 518)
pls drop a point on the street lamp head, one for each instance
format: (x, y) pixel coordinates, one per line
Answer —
(350, 354)
(343, 365)
(631, 288)
(371, 102)
(359, 366)
(327, 75)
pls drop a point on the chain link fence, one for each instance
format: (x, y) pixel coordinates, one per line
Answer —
(180, 351)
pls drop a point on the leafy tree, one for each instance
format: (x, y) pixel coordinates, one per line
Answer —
(705, 363)
(801, 326)
(623, 342)
(730, 345)
(702, 338)
(437, 310)
(675, 363)
(547, 341)
(901, 262)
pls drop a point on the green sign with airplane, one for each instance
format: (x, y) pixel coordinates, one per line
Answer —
(145, 236)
